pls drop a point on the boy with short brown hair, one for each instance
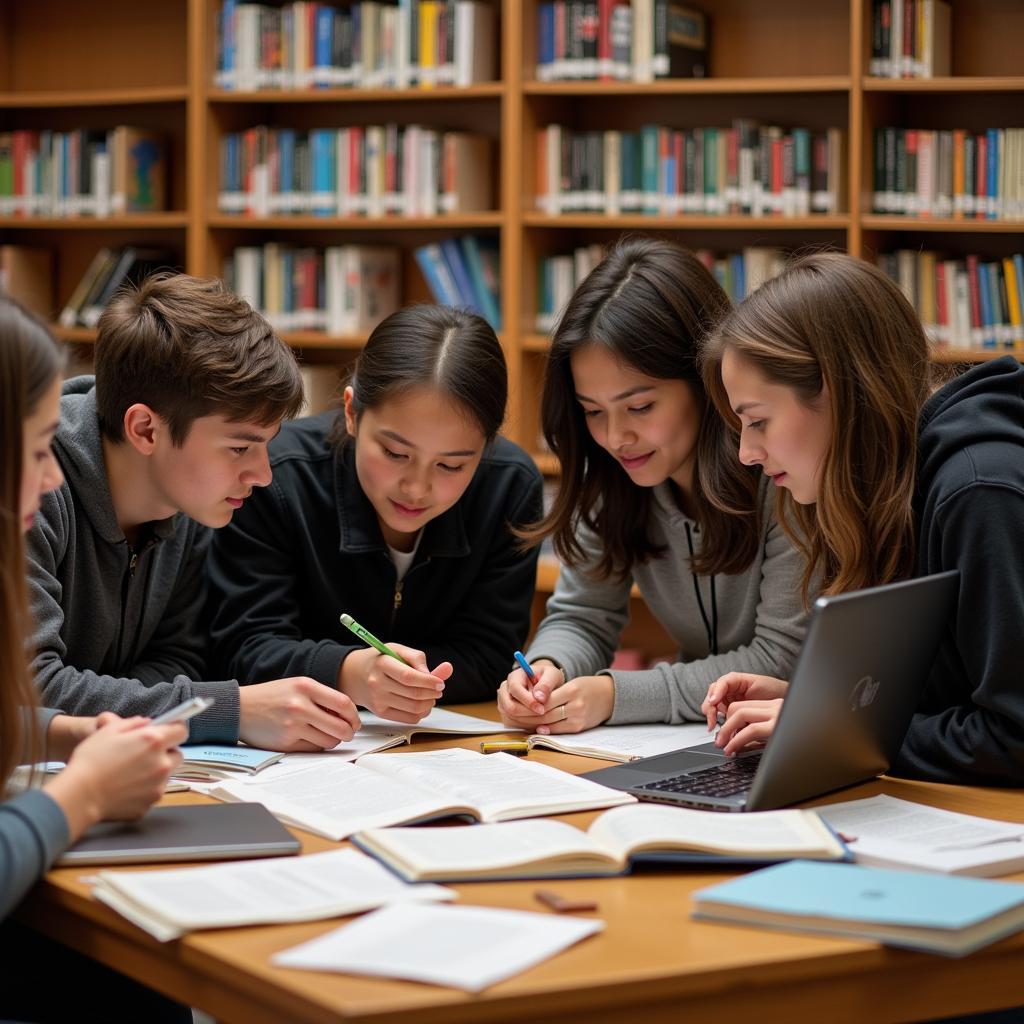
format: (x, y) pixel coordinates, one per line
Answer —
(166, 442)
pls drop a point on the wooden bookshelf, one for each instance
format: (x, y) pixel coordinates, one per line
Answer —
(65, 64)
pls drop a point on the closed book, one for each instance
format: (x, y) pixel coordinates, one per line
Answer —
(615, 841)
(933, 913)
(223, 761)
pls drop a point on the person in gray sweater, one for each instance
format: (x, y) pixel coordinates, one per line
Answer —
(115, 768)
(625, 411)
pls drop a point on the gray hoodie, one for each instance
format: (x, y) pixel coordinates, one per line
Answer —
(760, 617)
(117, 630)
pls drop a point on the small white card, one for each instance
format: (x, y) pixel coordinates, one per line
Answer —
(465, 947)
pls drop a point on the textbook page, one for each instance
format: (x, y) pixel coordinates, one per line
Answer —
(888, 832)
(438, 720)
(627, 742)
(498, 786)
(166, 904)
(465, 947)
(335, 798)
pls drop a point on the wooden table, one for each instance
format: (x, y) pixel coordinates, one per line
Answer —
(650, 964)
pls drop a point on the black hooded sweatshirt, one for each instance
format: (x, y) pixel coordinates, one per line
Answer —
(969, 514)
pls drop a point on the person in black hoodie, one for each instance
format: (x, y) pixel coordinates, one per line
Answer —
(398, 510)
(825, 372)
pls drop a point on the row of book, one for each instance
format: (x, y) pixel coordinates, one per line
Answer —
(910, 38)
(464, 272)
(110, 270)
(958, 173)
(746, 169)
(739, 273)
(340, 289)
(967, 303)
(610, 40)
(81, 172)
(372, 171)
(366, 45)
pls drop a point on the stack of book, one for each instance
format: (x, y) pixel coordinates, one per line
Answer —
(746, 169)
(956, 173)
(342, 289)
(963, 303)
(558, 278)
(910, 38)
(110, 270)
(82, 173)
(366, 45)
(740, 273)
(464, 272)
(615, 41)
(372, 171)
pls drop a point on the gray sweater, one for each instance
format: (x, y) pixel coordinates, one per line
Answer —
(761, 620)
(33, 834)
(117, 630)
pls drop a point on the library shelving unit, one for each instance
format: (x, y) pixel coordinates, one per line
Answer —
(65, 64)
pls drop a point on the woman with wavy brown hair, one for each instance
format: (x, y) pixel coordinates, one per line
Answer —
(625, 411)
(882, 476)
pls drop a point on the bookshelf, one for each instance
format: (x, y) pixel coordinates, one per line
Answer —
(64, 64)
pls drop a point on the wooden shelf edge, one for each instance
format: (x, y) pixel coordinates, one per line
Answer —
(692, 86)
(482, 91)
(547, 463)
(972, 355)
(655, 222)
(173, 219)
(94, 97)
(965, 83)
(487, 219)
(875, 222)
(534, 341)
(548, 568)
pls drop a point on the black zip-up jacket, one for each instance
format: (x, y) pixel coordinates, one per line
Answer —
(308, 547)
(969, 510)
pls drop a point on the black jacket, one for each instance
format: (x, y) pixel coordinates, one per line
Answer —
(308, 547)
(969, 510)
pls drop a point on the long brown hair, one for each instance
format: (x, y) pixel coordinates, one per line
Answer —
(835, 321)
(648, 303)
(29, 361)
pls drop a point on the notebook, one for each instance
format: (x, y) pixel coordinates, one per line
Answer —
(185, 832)
(853, 692)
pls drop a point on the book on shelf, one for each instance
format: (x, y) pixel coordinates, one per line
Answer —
(342, 289)
(463, 272)
(558, 277)
(883, 831)
(613, 844)
(949, 173)
(367, 45)
(26, 274)
(82, 173)
(335, 798)
(910, 38)
(108, 271)
(169, 904)
(928, 912)
(610, 40)
(741, 273)
(746, 169)
(209, 761)
(359, 171)
(968, 303)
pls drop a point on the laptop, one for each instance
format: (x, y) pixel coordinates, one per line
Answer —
(185, 832)
(852, 695)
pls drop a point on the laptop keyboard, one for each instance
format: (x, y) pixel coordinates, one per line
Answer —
(719, 780)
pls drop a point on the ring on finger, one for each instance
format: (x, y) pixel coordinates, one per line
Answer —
(565, 713)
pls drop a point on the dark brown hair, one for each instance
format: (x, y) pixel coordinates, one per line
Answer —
(187, 348)
(452, 350)
(835, 321)
(30, 361)
(648, 303)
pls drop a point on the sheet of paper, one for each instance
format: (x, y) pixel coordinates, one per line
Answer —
(439, 719)
(169, 903)
(634, 741)
(465, 947)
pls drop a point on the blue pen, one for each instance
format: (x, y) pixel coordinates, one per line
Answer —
(525, 666)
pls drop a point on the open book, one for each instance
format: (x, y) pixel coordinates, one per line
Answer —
(615, 841)
(169, 903)
(334, 798)
(626, 742)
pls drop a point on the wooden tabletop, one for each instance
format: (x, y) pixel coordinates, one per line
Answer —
(651, 959)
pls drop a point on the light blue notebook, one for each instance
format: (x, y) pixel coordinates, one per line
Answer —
(938, 913)
(218, 761)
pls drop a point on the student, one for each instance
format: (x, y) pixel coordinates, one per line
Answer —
(116, 768)
(169, 440)
(626, 413)
(826, 370)
(399, 511)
